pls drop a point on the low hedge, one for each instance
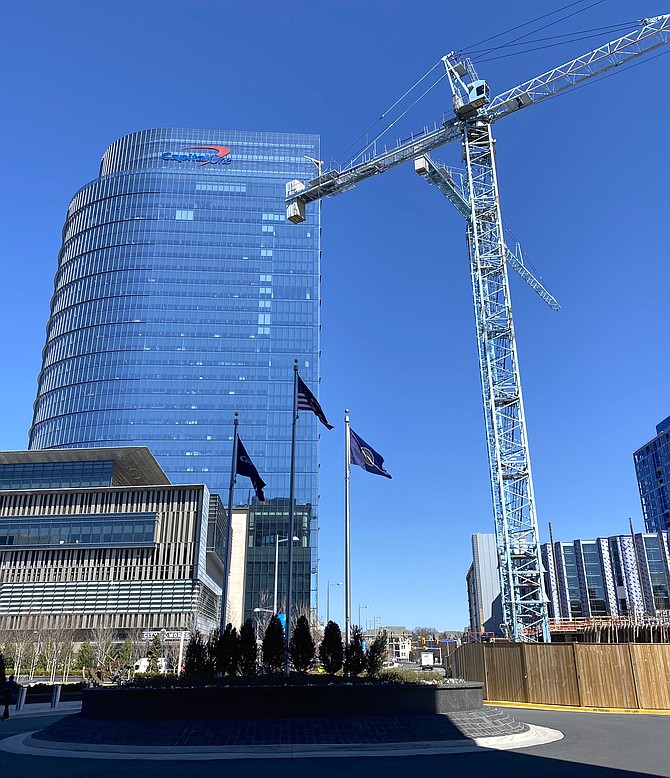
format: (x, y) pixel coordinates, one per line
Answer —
(386, 678)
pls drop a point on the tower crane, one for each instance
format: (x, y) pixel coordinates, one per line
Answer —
(474, 193)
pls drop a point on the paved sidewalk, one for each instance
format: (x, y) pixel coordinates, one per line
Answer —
(330, 730)
(43, 709)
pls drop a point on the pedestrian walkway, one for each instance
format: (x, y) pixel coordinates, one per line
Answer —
(76, 736)
(44, 709)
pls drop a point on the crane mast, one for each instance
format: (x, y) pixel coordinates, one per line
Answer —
(523, 597)
(517, 535)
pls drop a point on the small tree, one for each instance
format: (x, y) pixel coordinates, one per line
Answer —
(301, 647)
(155, 653)
(331, 651)
(127, 653)
(86, 654)
(248, 649)
(228, 651)
(354, 654)
(103, 643)
(273, 648)
(376, 654)
(212, 643)
(3, 675)
(195, 658)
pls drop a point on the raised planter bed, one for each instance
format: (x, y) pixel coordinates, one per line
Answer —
(268, 702)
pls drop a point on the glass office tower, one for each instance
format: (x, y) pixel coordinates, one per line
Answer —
(182, 296)
(652, 467)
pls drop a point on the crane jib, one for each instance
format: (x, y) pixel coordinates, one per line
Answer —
(655, 32)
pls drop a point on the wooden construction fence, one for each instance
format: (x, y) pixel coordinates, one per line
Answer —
(620, 675)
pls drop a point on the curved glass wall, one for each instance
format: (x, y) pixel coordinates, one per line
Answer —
(183, 295)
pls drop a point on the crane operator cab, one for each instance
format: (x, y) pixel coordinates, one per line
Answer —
(478, 96)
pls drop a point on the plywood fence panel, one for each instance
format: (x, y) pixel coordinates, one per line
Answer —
(651, 665)
(605, 674)
(468, 663)
(551, 674)
(504, 672)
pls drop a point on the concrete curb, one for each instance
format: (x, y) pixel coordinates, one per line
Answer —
(25, 744)
(575, 709)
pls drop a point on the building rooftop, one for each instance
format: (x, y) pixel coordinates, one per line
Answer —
(133, 465)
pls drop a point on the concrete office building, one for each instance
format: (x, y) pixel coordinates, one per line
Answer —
(652, 467)
(182, 296)
(483, 586)
(100, 539)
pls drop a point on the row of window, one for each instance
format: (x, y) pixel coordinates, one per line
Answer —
(146, 408)
(231, 264)
(196, 235)
(259, 193)
(189, 313)
(111, 338)
(55, 532)
(164, 367)
(157, 262)
(43, 475)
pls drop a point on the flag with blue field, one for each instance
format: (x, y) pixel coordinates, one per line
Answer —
(365, 456)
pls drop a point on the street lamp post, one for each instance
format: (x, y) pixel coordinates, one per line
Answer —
(339, 583)
(261, 610)
(278, 540)
(360, 608)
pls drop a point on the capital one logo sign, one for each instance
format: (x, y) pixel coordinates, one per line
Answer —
(218, 155)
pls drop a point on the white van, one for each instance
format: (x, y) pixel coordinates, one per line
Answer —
(142, 665)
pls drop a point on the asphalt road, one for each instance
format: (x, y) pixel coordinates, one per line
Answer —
(597, 745)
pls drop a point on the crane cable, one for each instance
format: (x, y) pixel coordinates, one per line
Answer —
(571, 36)
(525, 24)
(542, 48)
(371, 143)
(396, 120)
(383, 115)
(364, 134)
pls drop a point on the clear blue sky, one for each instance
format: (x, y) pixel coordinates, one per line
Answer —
(584, 186)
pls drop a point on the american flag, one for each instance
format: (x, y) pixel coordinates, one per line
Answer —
(308, 402)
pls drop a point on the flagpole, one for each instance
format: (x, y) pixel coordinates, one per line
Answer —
(229, 530)
(289, 586)
(347, 557)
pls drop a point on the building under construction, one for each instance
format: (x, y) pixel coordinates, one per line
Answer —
(622, 576)
(610, 629)
(608, 590)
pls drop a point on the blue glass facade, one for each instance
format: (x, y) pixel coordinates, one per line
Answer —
(80, 531)
(182, 296)
(652, 467)
(56, 475)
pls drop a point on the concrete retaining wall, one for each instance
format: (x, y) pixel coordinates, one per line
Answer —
(262, 702)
